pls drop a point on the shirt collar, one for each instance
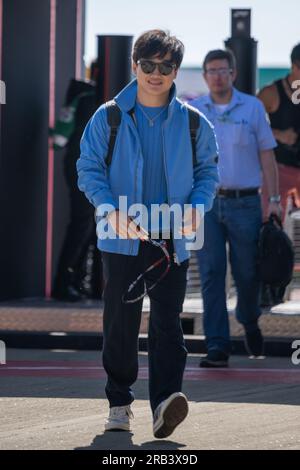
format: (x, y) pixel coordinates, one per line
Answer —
(236, 100)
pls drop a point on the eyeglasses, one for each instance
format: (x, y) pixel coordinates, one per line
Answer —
(224, 72)
(148, 66)
(166, 257)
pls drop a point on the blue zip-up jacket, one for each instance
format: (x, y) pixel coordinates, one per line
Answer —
(185, 183)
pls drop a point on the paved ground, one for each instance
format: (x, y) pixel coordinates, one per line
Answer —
(55, 400)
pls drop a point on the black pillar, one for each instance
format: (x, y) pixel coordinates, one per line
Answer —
(40, 53)
(245, 50)
(114, 60)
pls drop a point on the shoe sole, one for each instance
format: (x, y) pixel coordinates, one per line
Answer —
(174, 413)
(206, 363)
(116, 427)
(116, 430)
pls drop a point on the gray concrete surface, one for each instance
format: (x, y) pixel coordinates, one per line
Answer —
(56, 400)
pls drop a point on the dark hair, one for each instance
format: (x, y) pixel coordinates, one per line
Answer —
(295, 55)
(157, 42)
(220, 54)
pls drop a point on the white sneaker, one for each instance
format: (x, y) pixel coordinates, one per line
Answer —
(118, 418)
(169, 414)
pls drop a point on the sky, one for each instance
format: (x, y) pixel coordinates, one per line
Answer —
(200, 24)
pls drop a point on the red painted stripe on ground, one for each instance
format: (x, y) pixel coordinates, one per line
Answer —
(94, 363)
(93, 370)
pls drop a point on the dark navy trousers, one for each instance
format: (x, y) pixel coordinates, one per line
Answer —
(121, 324)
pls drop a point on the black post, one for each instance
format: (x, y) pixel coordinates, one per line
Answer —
(114, 60)
(38, 57)
(245, 50)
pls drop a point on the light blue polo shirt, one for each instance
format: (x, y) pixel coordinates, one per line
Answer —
(242, 131)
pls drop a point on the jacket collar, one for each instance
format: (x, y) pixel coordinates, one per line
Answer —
(127, 97)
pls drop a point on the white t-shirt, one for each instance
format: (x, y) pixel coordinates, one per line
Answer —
(220, 108)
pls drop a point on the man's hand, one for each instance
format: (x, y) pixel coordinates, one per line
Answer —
(125, 227)
(288, 136)
(191, 221)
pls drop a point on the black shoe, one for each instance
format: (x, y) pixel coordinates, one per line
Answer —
(91, 294)
(215, 358)
(68, 294)
(254, 343)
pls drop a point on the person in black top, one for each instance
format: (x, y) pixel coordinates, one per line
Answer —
(80, 239)
(284, 115)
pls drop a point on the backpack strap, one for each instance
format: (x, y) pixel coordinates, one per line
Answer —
(194, 124)
(113, 119)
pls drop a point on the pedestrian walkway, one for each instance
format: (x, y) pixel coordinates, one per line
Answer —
(56, 400)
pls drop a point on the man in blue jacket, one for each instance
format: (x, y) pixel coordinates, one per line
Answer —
(152, 164)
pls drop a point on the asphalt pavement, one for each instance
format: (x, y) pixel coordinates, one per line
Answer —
(56, 400)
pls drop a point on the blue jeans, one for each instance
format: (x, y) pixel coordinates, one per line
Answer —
(237, 221)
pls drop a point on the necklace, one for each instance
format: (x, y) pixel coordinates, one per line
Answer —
(151, 120)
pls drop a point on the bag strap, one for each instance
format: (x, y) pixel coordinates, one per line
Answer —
(274, 219)
(194, 124)
(113, 119)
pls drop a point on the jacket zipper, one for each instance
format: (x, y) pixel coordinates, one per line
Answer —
(135, 181)
(175, 257)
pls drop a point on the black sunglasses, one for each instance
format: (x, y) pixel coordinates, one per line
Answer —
(148, 66)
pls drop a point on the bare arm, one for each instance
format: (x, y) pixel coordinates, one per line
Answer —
(288, 136)
(270, 99)
(270, 171)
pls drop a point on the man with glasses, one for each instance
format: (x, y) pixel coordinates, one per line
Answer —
(152, 164)
(245, 147)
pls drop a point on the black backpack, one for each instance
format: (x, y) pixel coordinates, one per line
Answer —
(114, 116)
(276, 254)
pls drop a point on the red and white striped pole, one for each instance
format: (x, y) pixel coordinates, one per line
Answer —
(1, 34)
(79, 51)
(51, 119)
